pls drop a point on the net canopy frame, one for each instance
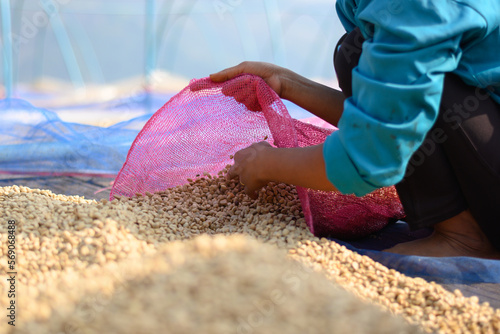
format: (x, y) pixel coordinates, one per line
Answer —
(92, 42)
(80, 78)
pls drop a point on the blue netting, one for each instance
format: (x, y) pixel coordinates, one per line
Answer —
(36, 140)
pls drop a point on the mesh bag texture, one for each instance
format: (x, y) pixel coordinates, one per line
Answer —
(199, 128)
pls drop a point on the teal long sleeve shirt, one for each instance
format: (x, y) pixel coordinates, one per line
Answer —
(397, 85)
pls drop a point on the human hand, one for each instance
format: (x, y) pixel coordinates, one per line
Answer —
(250, 167)
(272, 74)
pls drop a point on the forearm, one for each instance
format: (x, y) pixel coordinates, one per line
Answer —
(325, 102)
(304, 167)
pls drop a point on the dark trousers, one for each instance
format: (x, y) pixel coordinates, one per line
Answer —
(458, 165)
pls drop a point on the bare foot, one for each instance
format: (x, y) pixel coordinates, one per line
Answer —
(457, 236)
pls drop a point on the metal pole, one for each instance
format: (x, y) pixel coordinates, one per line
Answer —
(150, 50)
(7, 47)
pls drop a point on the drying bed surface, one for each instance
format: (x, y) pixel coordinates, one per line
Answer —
(205, 257)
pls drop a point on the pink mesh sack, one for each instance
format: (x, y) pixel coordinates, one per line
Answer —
(199, 128)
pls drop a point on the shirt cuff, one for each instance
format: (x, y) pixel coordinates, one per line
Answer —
(340, 170)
